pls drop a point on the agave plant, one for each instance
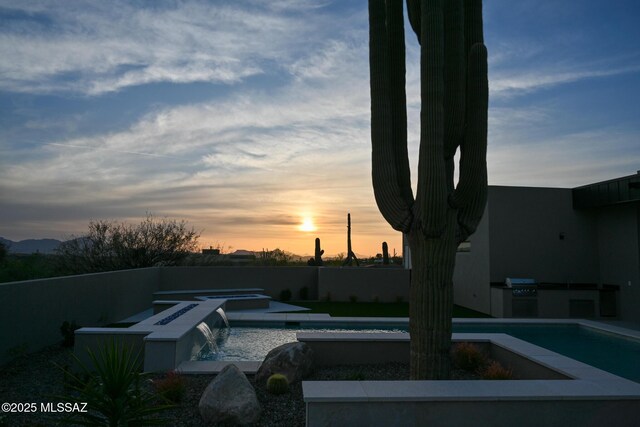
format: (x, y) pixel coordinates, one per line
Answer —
(111, 389)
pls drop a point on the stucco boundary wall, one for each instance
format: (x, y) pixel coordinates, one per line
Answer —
(32, 311)
(337, 283)
(366, 284)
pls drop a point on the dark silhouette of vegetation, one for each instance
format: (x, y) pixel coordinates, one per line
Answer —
(275, 257)
(111, 387)
(285, 295)
(351, 256)
(454, 103)
(3, 252)
(18, 267)
(68, 332)
(111, 245)
(385, 253)
(317, 259)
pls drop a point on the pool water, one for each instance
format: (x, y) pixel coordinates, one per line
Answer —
(609, 352)
(612, 353)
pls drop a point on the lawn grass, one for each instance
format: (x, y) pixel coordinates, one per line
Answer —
(372, 309)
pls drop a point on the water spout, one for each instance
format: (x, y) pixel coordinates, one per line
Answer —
(209, 337)
(223, 315)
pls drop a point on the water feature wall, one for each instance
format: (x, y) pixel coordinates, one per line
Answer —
(166, 339)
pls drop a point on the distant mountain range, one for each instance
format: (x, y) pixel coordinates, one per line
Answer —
(30, 246)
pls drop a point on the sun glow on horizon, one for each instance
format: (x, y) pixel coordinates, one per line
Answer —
(307, 225)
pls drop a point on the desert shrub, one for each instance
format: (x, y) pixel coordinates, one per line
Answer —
(495, 371)
(173, 386)
(375, 299)
(110, 245)
(277, 384)
(285, 295)
(353, 298)
(68, 331)
(304, 293)
(468, 356)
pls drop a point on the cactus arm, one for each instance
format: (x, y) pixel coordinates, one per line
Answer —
(470, 196)
(431, 199)
(413, 10)
(473, 23)
(455, 80)
(390, 162)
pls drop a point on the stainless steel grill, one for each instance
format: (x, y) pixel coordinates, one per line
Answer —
(522, 287)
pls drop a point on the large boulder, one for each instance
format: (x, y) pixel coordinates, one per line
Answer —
(293, 360)
(229, 398)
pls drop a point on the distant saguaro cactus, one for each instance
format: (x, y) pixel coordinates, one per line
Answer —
(385, 253)
(351, 257)
(454, 93)
(318, 253)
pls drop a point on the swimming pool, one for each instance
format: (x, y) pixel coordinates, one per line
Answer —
(609, 352)
(612, 353)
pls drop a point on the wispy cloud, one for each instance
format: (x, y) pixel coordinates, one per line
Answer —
(513, 83)
(99, 47)
(267, 156)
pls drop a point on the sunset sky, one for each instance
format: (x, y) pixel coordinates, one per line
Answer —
(250, 119)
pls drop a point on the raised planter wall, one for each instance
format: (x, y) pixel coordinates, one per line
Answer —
(354, 348)
(586, 395)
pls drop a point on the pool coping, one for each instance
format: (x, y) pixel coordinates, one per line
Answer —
(323, 319)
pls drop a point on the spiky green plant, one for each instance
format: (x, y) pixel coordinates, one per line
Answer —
(112, 389)
(454, 94)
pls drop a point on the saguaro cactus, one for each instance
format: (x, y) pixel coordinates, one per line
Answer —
(385, 253)
(351, 257)
(454, 94)
(318, 253)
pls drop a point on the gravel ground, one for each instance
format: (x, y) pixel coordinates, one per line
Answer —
(35, 378)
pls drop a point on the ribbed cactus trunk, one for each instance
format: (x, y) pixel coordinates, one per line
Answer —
(454, 93)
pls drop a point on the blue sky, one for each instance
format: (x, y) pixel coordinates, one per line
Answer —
(246, 117)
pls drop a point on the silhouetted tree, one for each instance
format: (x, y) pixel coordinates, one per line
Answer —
(111, 245)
